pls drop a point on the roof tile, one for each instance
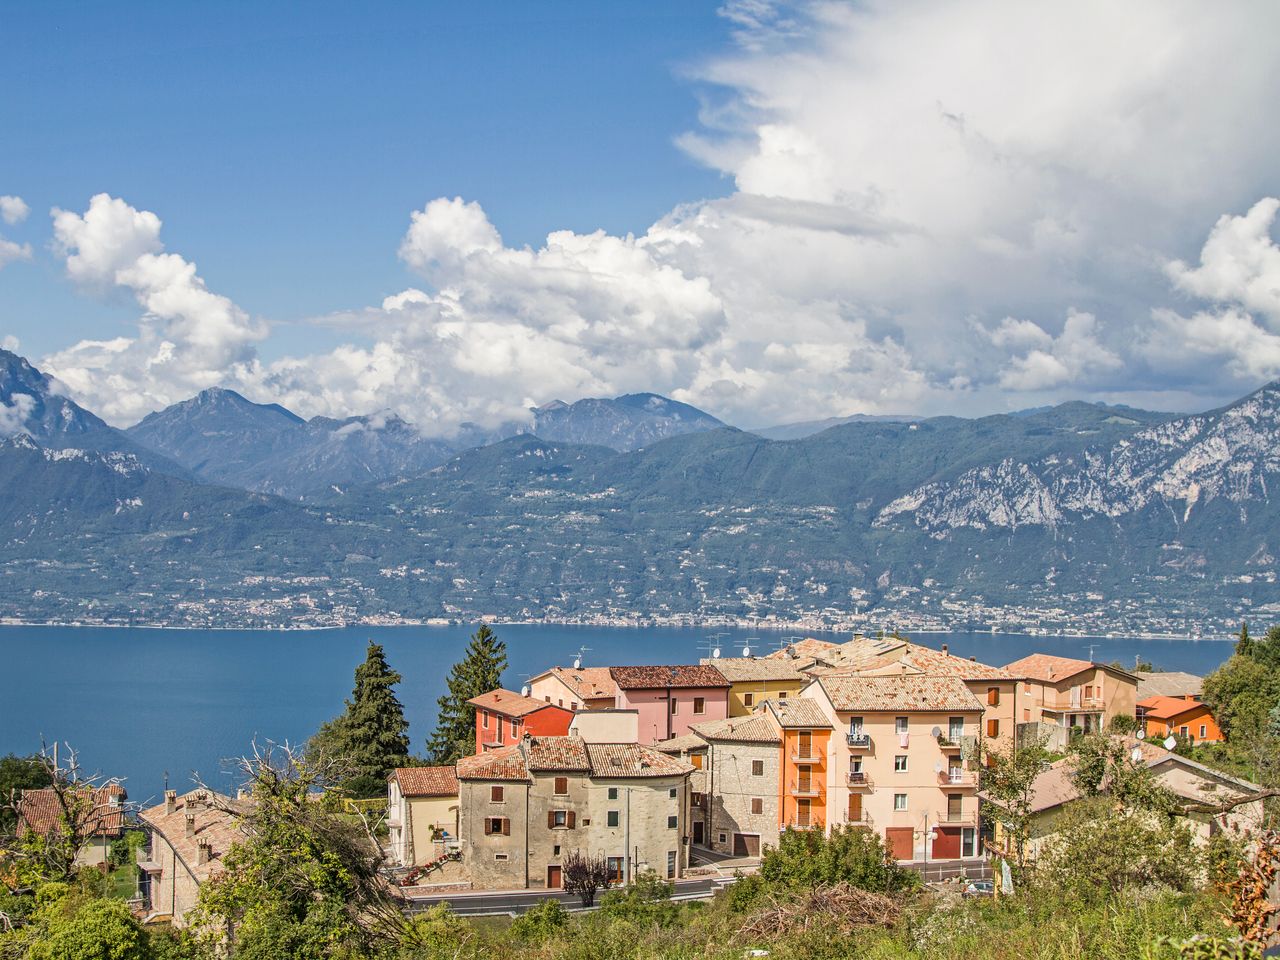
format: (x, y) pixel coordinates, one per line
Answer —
(427, 781)
(680, 675)
(899, 693)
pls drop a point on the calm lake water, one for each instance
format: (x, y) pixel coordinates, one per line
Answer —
(142, 703)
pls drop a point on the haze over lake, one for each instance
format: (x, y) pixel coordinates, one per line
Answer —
(138, 703)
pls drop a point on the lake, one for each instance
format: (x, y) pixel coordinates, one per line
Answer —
(141, 704)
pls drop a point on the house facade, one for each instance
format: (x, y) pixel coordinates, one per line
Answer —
(576, 688)
(98, 812)
(503, 717)
(806, 754)
(669, 700)
(753, 680)
(896, 760)
(1061, 695)
(1184, 717)
(422, 813)
(524, 808)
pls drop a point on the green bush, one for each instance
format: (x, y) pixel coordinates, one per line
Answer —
(541, 923)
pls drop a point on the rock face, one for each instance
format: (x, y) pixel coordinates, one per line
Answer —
(1182, 465)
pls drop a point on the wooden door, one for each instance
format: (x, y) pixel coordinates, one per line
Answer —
(697, 831)
(802, 813)
(554, 878)
(855, 808)
(806, 744)
(901, 842)
(947, 844)
(803, 781)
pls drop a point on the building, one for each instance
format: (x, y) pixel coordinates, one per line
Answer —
(576, 688)
(524, 808)
(1168, 683)
(753, 680)
(188, 838)
(1184, 717)
(98, 814)
(896, 760)
(422, 813)
(806, 752)
(670, 699)
(503, 717)
(1060, 695)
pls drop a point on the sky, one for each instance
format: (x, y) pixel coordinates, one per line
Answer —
(775, 211)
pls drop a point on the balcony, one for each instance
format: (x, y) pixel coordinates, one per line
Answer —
(959, 779)
(962, 818)
(859, 819)
(858, 780)
(804, 823)
(809, 758)
(806, 788)
(949, 745)
(858, 741)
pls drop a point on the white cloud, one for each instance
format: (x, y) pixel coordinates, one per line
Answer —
(10, 251)
(10, 342)
(1240, 263)
(14, 414)
(1073, 357)
(13, 209)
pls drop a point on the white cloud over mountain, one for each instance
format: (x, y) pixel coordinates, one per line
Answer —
(13, 210)
(936, 207)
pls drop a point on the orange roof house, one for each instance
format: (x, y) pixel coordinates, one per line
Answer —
(503, 717)
(1185, 716)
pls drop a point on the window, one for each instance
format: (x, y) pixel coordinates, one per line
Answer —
(573, 704)
(674, 705)
(515, 729)
(495, 794)
(748, 699)
(699, 704)
(993, 727)
(497, 825)
(1204, 731)
(993, 696)
(1088, 691)
(555, 851)
(955, 728)
(672, 793)
(855, 764)
(560, 819)
(1182, 731)
(671, 864)
(696, 799)
(899, 801)
(900, 763)
(968, 842)
(696, 760)
(548, 699)
(899, 725)
(782, 694)
(1026, 686)
(615, 869)
(613, 793)
(500, 856)
(723, 837)
(559, 703)
(757, 805)
(673, 822)
(855, 726)
(561, 786)
(484, 719)
(757, 768)
(611, 818)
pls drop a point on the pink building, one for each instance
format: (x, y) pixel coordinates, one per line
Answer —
(669, 699)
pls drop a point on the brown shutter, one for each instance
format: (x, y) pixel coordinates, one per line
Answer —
(551, 819)
(506, 827)
(572, 819)
(993, 696)
(993, 728)
(488, 826)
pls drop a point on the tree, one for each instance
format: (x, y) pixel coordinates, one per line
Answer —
(1007, 787)
(18, 774)
(479, 671)
(73, 928)
(1244, 646)
(584, 875)
(371, 737)
(806, 858)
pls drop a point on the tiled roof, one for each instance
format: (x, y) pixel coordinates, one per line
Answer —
(899, 694)
(589, 683)
(1169, 684)
(681, 675)
(217, 822)
(1051, 669)
(798, 713)
(556, 753)
(504, 763)
(886, 657)
(686, 741)
(509, 704)
(756, 728)
(631, 760)
(1166, 708)
(100, 810)
(427, 781)
(808, 647)
(744, 669)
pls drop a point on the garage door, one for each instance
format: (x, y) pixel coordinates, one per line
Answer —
(947, 844)
(746, 845)
(901, 842)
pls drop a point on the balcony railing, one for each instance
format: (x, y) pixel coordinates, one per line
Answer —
(858, 741)
(858, 780)
(859, 819)
(802, 823)
(812, 758)
(962, 817)
(949, 744)
(802, 788)
(958, 778)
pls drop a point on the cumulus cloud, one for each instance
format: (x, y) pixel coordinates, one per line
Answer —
(15, 413)
(1074, 356)
(13, 209)
(1240, 263)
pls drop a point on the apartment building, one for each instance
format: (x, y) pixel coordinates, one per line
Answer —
(806, 756)
(753, 680)
(896, 763)
(524, 808)
(503, 717)
(422, 813)
(576, 688)
(1060, 695)
(670, 699)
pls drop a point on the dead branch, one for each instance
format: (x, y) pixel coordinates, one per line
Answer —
(845, 906)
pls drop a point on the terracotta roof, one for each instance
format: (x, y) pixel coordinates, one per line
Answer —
(556, 754)
(686, 741)
(100, 810)
(216, 820)
(756, 728)
(589, 683)
(681, 675)
(899, 694)
(798, 713)
(1171, 683)
(631, 760)
(509, 703)
(504, 763)
(746, 669)
(808, 647)
(1166, 708)
(1051, 669)
(427, 781)
(890, 656)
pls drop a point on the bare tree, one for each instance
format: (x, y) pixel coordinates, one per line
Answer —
(585, 875)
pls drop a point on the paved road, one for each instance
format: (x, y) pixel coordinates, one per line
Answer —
(469, 904)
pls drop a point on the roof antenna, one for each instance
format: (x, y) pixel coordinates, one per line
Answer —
(711, 644)
(1091, 648)
(746, 651)
(577, 661)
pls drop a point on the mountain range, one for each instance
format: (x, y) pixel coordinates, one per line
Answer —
(219, 511)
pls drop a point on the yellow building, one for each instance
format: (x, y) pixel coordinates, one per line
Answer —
(753, 680)
(422, 813)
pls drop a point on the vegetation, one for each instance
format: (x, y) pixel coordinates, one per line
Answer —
(479, 671)
(1244, 694)
(584, 875)
(1007, 782)
(18, 774)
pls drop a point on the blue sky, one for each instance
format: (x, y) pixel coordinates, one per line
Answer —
(774, 210)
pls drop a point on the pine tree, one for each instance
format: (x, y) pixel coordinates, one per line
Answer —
(479, 671)
(1244, 646)
(371, 735)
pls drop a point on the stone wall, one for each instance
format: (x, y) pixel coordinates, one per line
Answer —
(732, 787)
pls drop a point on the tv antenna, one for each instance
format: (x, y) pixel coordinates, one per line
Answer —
(711, 645)
(746, 650)
(577, 661)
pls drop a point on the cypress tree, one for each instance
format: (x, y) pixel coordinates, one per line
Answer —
(1244, 646)
(479, 671)
(372, 734)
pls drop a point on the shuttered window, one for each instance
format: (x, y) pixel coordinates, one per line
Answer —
(993, 728)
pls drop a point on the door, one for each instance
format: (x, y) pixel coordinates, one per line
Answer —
(955, 806)
(947, 844)
(554, 878)
(802, 779)
(855, 808)
(697, 831)
(746, 845)
(806, 744)
(802, 813)
(901, 842)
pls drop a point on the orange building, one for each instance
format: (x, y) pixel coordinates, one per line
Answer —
(806, 742)
(1184, 717)
(503, 717)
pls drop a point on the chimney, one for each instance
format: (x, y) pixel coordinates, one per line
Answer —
(944, 648)
(170, 802)
(973, 659)
(191, 825)
(204, 852)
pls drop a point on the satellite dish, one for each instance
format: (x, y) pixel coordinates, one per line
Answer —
(524, 691)
(1170, 743)
(746, 651)
(938, 767)
(716, 653)
(1141, 734)
(577, 663)
(937, 732)
(1136, 754)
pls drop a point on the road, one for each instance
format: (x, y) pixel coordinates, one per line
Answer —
(468, 904)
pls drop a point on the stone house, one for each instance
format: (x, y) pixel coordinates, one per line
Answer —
(524, 808)
(100, 813)
(422, 813)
